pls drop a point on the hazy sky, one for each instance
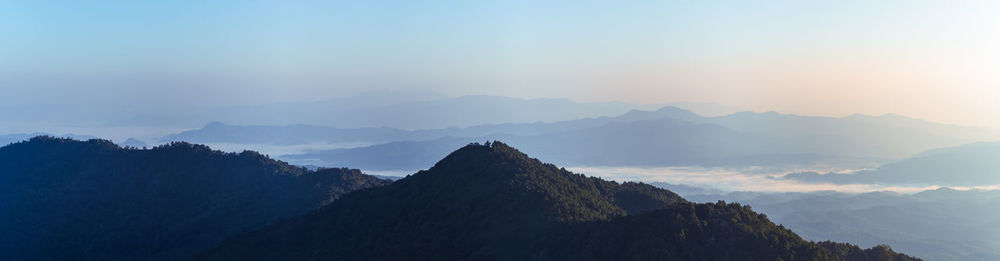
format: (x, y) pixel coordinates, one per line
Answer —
(931, 59)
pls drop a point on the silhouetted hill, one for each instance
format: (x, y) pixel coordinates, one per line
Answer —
(967, 165)
(134, 143)
(7, 139)
(16, 137)
(488, 202)
(400, 110)
(93, 200)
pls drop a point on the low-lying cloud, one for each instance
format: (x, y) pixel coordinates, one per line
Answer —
(750, 179)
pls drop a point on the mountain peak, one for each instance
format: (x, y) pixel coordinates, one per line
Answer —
(494, 150)
(134, 143)
(497, 169)
(488, 145)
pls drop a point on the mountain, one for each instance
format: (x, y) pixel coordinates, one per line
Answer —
(216, 132)
(64, 199)
(280, 113)
(18, 137)
(394, 110)
(886, 136)
(675, 137)
(657, 142)
(942, 224)
(708, 109)
(133, 142)
(493, 202)
(975, 164)
(403, 155)
(686, 190)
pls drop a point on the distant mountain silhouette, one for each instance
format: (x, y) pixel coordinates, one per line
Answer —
(489, 202)
(657, 142)
(967, 165)
(708, 109)
(403, 155)
(218, 132)
(302, 134)
(64, 199)
(396, 110)
(687, 190)
(18, 137)
(676, 137)
(858, 135)
(134, 143)
(282, 113)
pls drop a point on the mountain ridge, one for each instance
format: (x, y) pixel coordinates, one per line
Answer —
(736, 140)
(490, 201)
(974, 164)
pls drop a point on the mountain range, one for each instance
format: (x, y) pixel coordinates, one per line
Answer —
(215, 132)
(490, 202)
(975, 164)
(675, 137)
(133, 142)
(64, 199)
(402, 110)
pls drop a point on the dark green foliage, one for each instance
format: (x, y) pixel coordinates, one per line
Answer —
(491, 202)
(72, 200)
(850, 252)
(689, 231)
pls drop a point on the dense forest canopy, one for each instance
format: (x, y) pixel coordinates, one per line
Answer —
(93, 200)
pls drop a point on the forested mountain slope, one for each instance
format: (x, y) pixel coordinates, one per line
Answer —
(492, 202)
(64, 199)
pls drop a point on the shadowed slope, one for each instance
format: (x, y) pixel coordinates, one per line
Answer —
(74, 200)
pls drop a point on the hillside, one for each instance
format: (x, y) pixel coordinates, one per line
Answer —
(493, 202)
(93, 200)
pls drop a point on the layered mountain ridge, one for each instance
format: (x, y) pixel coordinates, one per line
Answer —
(974, 164)
(671, 137)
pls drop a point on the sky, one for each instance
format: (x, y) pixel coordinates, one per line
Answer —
(929, 59)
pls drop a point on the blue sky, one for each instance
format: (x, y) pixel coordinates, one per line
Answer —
(931, 59)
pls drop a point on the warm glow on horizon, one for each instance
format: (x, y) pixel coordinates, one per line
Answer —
(928, 59)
